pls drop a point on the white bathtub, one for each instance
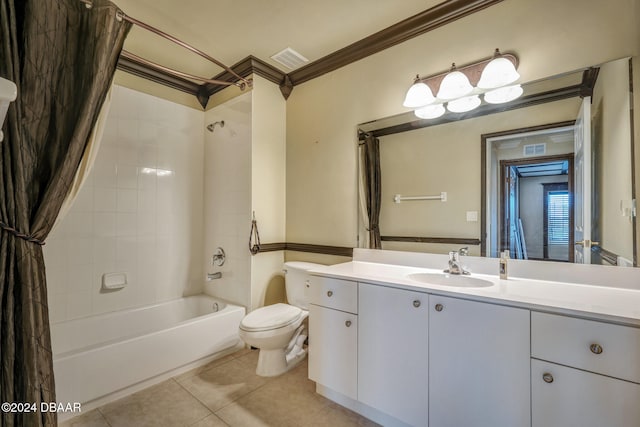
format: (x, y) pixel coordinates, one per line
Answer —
(97, 356)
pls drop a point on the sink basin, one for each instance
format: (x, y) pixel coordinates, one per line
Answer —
(450, 280)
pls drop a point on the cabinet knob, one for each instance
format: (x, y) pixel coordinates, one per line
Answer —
(416, 303)
(439, 307)
(329, 293)
(547, 378)
(347, 323)
(595, 348)
(307, 283)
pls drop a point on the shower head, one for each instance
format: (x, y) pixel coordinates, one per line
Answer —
(211, 127)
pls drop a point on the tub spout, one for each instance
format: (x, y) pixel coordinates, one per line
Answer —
(213, 276)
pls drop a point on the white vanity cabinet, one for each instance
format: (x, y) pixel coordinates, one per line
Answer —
(393, 352)
(584, 373)
(333, 334)
(479, 364)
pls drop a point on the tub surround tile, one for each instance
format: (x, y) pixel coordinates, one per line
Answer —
(130, 196)
(165, 404)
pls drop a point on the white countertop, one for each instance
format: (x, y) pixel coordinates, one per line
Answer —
(598, 302)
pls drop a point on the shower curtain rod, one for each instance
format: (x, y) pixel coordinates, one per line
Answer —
(121, 15)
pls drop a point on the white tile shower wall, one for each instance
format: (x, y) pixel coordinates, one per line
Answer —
(227, 198)
(140, 212)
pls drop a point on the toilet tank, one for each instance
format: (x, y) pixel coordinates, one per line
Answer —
(295, 278)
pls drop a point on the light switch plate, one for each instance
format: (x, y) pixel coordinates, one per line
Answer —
(472, 216)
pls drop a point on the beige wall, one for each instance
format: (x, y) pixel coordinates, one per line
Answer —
(612, 144)
(268, 175)
(550, 37)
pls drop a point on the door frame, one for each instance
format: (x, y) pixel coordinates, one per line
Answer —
(486, 141)
(504, 241)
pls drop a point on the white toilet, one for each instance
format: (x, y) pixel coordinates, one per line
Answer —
(277, 330)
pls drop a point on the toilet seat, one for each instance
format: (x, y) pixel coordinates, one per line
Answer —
(271, 317)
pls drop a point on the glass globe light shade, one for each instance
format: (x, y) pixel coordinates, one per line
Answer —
(499, 72)
(454, 85)
(430, 111)
(418, 95)
(503, 94)
(463, 105)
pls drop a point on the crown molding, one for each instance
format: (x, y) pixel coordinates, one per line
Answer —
(421, 23)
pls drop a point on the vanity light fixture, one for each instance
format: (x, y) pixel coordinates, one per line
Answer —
(460, 88)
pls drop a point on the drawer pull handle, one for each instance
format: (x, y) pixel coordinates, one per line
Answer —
(595, 348)
(347, 323)
(416, 303)
(547, 377)
(439, 307)
(329, 293)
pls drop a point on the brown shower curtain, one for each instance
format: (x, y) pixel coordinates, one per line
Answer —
(373, 188)
(62, 57)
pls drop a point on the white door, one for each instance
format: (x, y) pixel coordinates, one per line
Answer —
(566, 397)
(582, 193)
(333, 351)
(479, 364)
(393, 352)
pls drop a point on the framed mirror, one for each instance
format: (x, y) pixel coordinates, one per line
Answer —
(503, 177)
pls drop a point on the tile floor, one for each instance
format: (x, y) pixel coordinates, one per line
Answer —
(225, 392)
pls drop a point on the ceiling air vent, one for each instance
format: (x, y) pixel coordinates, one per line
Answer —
(534, 149)
(289, 58)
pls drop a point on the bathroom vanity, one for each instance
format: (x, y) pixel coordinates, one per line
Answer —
(388, 343)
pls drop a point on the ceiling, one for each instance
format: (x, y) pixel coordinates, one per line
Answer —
(231, 30)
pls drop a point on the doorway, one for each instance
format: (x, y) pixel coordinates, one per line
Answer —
(536, 216)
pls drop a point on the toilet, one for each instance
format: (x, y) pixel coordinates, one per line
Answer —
(278, 329)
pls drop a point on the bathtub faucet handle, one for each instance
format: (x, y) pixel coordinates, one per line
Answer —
(218, 258)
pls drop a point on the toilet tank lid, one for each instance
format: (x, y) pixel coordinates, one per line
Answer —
(302, 266)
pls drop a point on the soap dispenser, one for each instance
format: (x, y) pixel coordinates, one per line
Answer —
(504, 256)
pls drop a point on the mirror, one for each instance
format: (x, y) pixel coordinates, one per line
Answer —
(469, 156)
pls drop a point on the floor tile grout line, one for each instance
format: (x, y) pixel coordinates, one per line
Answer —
(196, 398)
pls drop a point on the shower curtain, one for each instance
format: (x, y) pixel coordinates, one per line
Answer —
(62, 57)
(372, 188)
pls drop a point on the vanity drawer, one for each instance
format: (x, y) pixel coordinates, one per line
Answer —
(334, 293)
(604, 348)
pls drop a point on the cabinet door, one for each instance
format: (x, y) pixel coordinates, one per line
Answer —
(333, 352)
(479, 367)
(574, 398)
(393, 351)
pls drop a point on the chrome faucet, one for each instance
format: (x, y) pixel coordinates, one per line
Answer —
(455, 266)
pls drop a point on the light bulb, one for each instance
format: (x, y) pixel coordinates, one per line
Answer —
(430, 111)
(503, 94)
(418, 95)
(463, 105)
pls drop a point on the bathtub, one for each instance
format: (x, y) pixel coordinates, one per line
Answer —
(108, 354)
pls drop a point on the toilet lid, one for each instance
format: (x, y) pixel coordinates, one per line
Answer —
(270, 317)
